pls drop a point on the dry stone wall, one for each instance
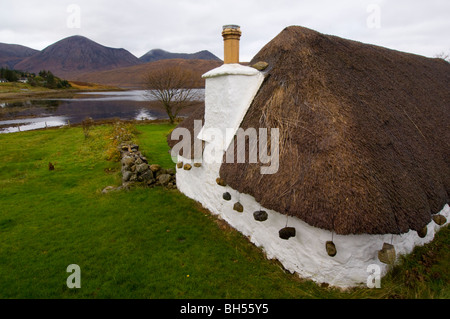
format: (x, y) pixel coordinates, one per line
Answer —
(136, 170)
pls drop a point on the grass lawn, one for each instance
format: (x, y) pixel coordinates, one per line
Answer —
(146, 242)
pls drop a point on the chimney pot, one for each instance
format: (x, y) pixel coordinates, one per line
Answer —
(231, 34)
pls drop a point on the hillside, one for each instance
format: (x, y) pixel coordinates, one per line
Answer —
(75, 55)
(11, 54)
(158, 54)
(131, 77)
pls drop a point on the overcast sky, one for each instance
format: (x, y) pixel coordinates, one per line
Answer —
(416, 26)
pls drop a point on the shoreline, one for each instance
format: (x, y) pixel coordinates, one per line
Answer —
(98, 122)
(28, 93)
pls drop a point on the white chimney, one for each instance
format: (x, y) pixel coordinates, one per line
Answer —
(229, 91)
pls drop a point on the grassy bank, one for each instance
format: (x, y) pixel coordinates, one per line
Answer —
(16, 91)
(144, 243)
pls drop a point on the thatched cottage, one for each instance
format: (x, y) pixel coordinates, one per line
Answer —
(363, 172)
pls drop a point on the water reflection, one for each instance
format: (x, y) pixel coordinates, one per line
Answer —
(32, 124)
(132, 95)
(144, 115)
(125, 105)
(31, 103)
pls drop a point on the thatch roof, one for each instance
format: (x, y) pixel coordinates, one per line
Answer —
(364, 134)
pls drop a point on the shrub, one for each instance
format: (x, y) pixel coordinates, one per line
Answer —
(87, 125)
(120, 133)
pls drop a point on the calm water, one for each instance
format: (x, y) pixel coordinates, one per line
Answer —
(34, 114)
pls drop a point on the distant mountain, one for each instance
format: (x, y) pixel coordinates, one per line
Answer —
(158, 54)
(11, 54)
(132, 76)
(75, 55)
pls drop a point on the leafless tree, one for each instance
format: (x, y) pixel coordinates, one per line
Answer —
(443, 56)
(172, 87)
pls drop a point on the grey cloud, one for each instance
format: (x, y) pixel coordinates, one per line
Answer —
(189, 26)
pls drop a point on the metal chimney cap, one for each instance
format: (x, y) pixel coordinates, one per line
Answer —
(230, 26)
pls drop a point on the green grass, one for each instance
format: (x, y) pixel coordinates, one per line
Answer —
(17, 87)
(144, 243)
(17, 91)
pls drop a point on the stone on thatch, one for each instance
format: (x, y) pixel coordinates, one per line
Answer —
(179, 164)
(286, 232)
(439, 219)
(238, 207)
(423, 232)
(197, 164)
(331, 248)
(260, 66)
(226, 196)
(260, 215)
(187, 167)
(221, 181)
(387, 254)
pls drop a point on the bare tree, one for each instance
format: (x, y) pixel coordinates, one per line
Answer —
(443, 56)
(172, 87)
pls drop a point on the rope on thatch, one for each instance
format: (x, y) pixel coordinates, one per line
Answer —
(415, 125)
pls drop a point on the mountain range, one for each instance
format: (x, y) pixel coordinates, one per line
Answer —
(158, 54)
(11, 54)
(133, 76)
(75, 56)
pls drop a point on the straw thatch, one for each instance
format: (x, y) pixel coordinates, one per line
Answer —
(364, 134)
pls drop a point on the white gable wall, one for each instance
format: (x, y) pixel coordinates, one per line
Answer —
(230, 90)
